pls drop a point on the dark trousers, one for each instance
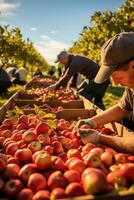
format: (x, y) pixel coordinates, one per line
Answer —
(129, 122)
(94, 92)
(4, 86)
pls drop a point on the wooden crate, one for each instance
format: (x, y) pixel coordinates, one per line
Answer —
(52, 103)
(68, 114)
(109, 196)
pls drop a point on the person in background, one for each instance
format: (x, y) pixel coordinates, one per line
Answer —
(11, 69)
(22, 73)
(51, 72)
(5, 81)
(76, 64)
(117, 56)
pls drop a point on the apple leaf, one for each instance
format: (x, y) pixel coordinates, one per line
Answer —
(18, 110)
(50, 115)
(36, 109)
(52, 124)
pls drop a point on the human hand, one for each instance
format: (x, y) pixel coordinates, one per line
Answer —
(89, 136)
(81, 122)
(51, 87)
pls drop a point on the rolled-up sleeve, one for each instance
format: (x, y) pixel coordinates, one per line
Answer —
(71, 71)
(127, 100)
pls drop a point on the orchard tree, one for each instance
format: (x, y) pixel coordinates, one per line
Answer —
(102, 26)
(13, 48)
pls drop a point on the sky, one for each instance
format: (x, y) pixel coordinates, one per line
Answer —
(52, 25)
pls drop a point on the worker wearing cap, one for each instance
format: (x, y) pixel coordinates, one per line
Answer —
(117, 56)
(76, 64)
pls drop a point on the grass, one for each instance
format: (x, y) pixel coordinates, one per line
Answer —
(10, 92)
(112, 95)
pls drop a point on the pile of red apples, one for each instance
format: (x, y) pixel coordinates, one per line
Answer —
(45, 94)
(38, 162)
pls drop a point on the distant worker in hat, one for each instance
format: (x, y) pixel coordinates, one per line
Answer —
(117, 56)
(76, 64)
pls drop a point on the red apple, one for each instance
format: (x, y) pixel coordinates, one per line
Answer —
(57, 163)
(12, 148)
(37, 153)
(16, 136)
(58, 193)
(73, 153)
(44, 139)
(43, 161)
(29, 136)
(107, 158)
(24, 155)
(74, 143)
(114, 167)
(116, 177)
(58, 148)
(13, 160)
(49, 149)
(94, 182)
(63, 140)
(21, 126)
(72, 176)
(85, 126)
(34, 146)
(6, 141)
(87, 148)
(42, 195)
(7, 122)
(97, 151)
(61, 126)
(63, 156)
(92, 160)
(11, 171)
(3, 157)
(12, 187)
(74, 189)
(21, 144)
(23, 119)
(2, 139)
(2, 165)
(121, 158)
(26, 171)
(42, 128)
(127, 169)
(25, 194)
(37, 182)
(6, 133)
(77, 164)
(110, 150)
(56, 179)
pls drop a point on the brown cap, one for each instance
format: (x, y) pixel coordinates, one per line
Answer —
(115, 51)
(61, 55)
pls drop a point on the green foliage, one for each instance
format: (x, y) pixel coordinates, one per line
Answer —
(13, 48)
(102, 26)
(14, 114)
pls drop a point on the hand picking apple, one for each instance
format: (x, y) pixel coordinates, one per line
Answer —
(91, 124)
(51, 87)
(89, 136)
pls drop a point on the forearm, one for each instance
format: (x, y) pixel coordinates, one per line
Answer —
(113, 114)
(122, 144)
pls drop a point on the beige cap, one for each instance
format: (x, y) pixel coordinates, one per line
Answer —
(61, 55)
(115, 51)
